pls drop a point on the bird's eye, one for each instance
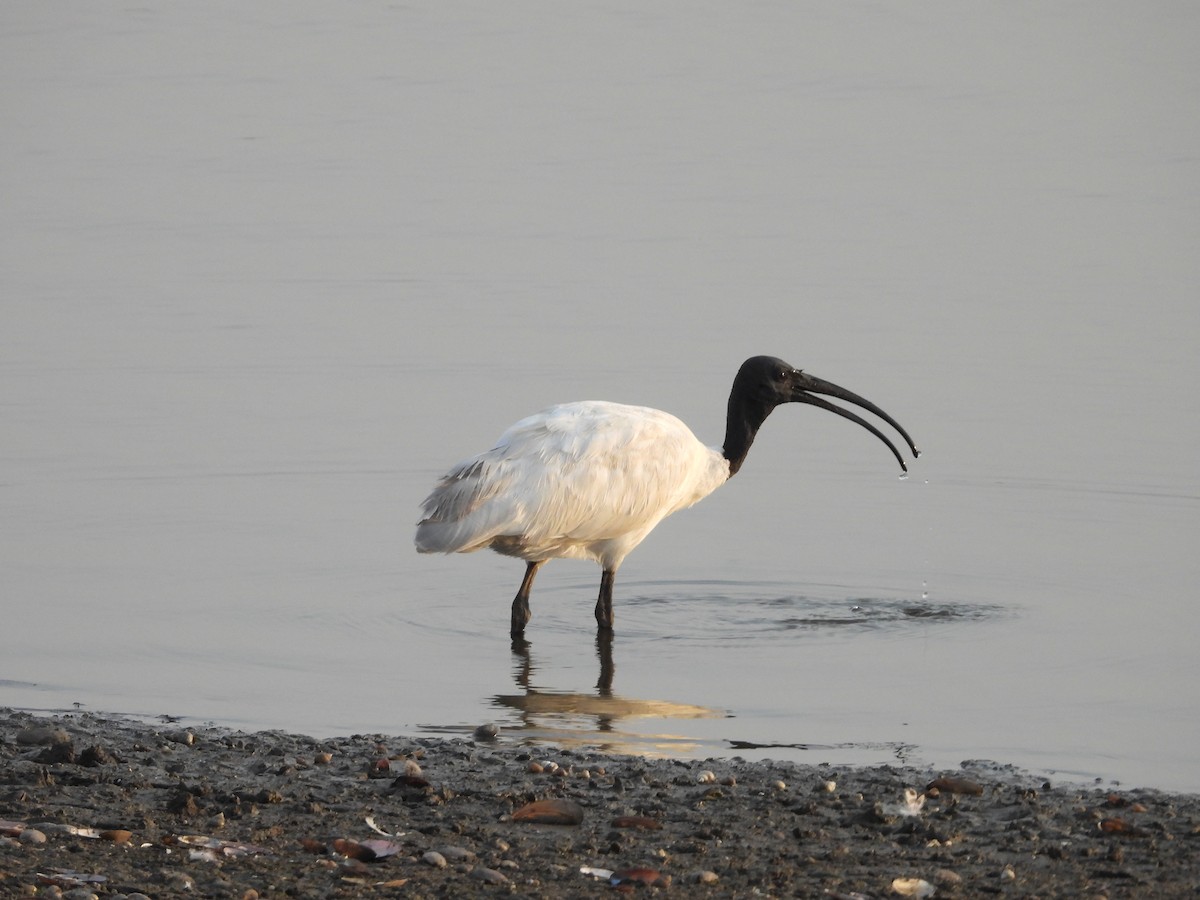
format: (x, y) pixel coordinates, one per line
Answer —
(781, 375)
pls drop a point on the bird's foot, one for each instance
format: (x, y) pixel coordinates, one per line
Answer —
(604, 612)
(520, 617)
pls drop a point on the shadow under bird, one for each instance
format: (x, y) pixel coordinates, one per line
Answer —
(590, 480)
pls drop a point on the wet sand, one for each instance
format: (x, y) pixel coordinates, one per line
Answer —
(109, 807)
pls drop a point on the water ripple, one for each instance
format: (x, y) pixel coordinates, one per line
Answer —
(708, 611)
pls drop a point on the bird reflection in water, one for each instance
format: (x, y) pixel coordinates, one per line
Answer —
(576, 719)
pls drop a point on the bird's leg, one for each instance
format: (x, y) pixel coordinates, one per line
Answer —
(604, 613)
(520, 607)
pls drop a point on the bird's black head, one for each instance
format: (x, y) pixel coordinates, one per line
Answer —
(765, 382)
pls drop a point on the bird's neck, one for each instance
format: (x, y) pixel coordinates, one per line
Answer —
(740, 428)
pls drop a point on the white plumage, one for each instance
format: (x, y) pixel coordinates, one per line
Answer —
(590, 480)
(585, 480)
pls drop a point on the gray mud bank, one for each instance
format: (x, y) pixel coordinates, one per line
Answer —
(108, 807)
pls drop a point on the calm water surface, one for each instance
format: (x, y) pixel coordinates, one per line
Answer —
(266, 272)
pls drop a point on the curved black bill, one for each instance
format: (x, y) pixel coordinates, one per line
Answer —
(806, 386)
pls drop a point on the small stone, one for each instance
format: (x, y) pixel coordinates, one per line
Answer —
(323, 759)
(779, 785)
(550, 812)
(487, 732)
(411, 768)
(639, 875)
(953, 784)
(32, 836)
(489, 876)
(704, 876)
(947, 878)
(53, 827)
(458, 854)
(433, 858)
(706, 777)
(181, 737)
(412, 783)
(1007, 874)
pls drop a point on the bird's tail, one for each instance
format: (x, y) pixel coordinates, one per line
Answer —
(464, 512)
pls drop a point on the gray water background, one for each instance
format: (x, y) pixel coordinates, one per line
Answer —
(267, 270)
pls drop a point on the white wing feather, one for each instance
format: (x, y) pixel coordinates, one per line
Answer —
(586, 479)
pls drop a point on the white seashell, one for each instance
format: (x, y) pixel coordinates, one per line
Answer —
(370, 820)
(913, 801)
(913, 887)
(911, 805)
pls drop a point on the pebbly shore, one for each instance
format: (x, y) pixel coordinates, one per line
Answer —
(105, 806)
